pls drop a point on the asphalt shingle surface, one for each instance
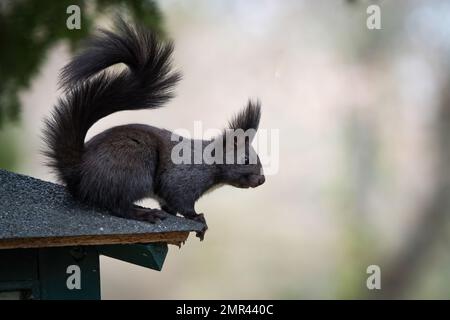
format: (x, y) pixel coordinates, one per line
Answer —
(34, 208)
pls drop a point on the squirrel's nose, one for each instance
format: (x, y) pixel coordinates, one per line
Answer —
(261, 180)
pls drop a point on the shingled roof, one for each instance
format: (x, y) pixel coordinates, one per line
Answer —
(36, 213)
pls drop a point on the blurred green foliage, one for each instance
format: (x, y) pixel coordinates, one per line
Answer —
(29, 29)
(9, 154)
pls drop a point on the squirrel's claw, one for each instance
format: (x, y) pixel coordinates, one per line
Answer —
(201, 218)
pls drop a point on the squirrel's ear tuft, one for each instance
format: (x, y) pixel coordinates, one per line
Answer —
(248, 118)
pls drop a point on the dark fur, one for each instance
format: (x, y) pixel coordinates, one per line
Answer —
(127, 163)
(247, 118)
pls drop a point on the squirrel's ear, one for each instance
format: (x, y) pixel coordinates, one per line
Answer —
(236, 139)
(248, 118)
(242, 127)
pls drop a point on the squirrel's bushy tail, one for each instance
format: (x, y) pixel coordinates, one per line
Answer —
(146, 83)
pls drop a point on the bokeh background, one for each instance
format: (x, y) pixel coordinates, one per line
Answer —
(364, 151)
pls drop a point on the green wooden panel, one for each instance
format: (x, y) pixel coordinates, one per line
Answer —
(18, 273)
(61, 268)
(19, 290)
(18, 265)
(52, 273)
(150, 255)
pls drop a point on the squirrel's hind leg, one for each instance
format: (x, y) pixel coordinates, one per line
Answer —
(169, 210)
(141, 214)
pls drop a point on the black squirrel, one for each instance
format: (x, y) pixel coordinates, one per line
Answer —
(127, 163)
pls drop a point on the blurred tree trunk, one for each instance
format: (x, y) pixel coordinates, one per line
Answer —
(402, 271)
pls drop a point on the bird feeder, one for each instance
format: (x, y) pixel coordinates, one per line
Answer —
(50, 244)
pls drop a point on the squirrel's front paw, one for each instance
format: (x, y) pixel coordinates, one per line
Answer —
(201, 218)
